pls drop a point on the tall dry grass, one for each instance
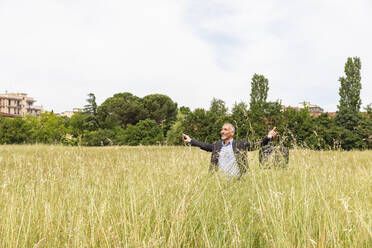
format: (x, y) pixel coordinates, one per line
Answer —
(54, 196)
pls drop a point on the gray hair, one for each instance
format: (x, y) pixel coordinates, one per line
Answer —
(231, 126)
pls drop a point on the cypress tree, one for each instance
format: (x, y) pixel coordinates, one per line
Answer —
(349, 105)
(348, 116)
(259, 90)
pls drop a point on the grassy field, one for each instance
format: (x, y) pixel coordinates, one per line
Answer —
(54, 196)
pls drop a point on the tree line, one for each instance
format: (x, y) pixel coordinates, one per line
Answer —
(125, 119)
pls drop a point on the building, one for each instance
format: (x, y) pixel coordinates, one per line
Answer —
(70, 113)
(314, 109)
(18, 104)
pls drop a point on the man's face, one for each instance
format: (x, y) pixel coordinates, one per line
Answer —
(226, 132)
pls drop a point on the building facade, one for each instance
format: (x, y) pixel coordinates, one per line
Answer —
(70, 113)
(18, 104)
(314, 109)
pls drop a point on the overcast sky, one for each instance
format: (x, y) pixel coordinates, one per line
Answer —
(192, 51)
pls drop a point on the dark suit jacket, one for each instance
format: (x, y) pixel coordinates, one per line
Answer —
(240, 148)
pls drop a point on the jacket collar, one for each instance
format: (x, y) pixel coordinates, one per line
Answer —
(229, 143)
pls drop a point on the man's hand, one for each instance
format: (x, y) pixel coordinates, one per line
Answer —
(272, 133)
(186, 138)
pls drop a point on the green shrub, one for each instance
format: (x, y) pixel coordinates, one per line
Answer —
(145, 132)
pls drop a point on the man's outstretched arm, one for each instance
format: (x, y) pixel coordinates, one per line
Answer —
(202, 145)
(252, 146)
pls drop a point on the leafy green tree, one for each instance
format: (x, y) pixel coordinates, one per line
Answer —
(145, 132)
(273, 114)
(162, 109)
(196, 124)
(185, 110)
(368, 109)
(218, 107)
(240, 119)
(216, 117)
(120, 110)
(350, 139)
(100, 137)
(47, 128)
(78, 124)
(14, 131)
(297, 127)
(89, 115)
(174, 134)
(91, 107)
(177, 128)
(326, 134)
(365, 127)
(206, 125)
(349, 105)
(259, 90)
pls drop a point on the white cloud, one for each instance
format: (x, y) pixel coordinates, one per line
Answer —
(59, 51)
(300, 46)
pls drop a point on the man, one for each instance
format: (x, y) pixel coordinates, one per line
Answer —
(229, 155)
